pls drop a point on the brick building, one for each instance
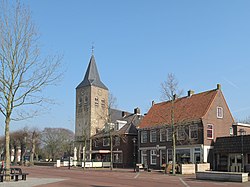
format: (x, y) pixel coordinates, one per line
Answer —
(198, 120)
(232, 153)
(123, 134)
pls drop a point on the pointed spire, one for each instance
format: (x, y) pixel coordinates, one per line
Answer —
(92, 77)
(92, 48)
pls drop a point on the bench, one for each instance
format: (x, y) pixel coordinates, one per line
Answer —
(222, 176)
(14, 173)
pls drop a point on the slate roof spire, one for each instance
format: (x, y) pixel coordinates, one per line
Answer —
(92, 77)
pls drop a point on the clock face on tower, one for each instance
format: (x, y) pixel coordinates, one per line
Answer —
(99, 92)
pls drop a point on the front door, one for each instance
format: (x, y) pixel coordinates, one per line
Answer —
(162, 157)
(235, 162)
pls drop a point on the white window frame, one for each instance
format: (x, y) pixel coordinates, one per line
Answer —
(231, 131)
(163, 135)
(182, 131)
(104, 142)
(212, 129)
(169, 134)
(117, 141)
(95, 143)
(144, 136)
(219, 112)
(153, 157)
(192, 128)
(153, 136)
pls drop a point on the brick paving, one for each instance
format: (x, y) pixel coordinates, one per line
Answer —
(63, 177)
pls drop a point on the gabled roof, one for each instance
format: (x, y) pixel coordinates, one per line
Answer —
(129, 129)
(186, 109)
(92, 77)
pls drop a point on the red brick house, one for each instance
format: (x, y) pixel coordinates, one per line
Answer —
(198, 120)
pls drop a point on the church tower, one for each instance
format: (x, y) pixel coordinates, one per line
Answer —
(91, 103)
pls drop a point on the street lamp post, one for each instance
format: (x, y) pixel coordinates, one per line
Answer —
(134, 140)
(69, 153)
(242, 132)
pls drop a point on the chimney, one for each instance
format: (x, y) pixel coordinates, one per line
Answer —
(218, 87)
(124, 114)
(190, 93)
(153, 102)
(174, 97)
(137, 111)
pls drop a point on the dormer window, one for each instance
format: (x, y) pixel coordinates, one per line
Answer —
(219, 112)
(119, 124)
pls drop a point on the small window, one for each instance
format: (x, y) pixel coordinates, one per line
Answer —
(144, 136)
(231, 131)
(163, 135)
(153, 136)
(219, 112)
(117, 141)
(106, 141)
(181, 133)
(80, 101)
(103, 103)
(95, 143)
(193, 131)
(96, 101)
(169, 134)
(210, 131)
(85, 100)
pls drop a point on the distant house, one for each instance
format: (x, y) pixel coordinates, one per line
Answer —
(232, 153)
(198, 120)
(123, 132)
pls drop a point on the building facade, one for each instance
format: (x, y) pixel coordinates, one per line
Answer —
(91, 107)
(118, 140)
(232, 153)
(198, 120)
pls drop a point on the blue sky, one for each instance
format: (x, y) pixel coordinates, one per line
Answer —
(137, 43)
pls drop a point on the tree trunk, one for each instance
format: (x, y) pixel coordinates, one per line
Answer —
(16, 154)
(173, 136)
(7, 147)
(111, 152)
(32, 152)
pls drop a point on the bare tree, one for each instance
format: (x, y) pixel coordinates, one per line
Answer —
(246, 120)
(18, 141)
(169, 93)
(34, 140)
(56, 141)
(24, 72)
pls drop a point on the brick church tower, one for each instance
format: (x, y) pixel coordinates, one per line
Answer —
(91, 104)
